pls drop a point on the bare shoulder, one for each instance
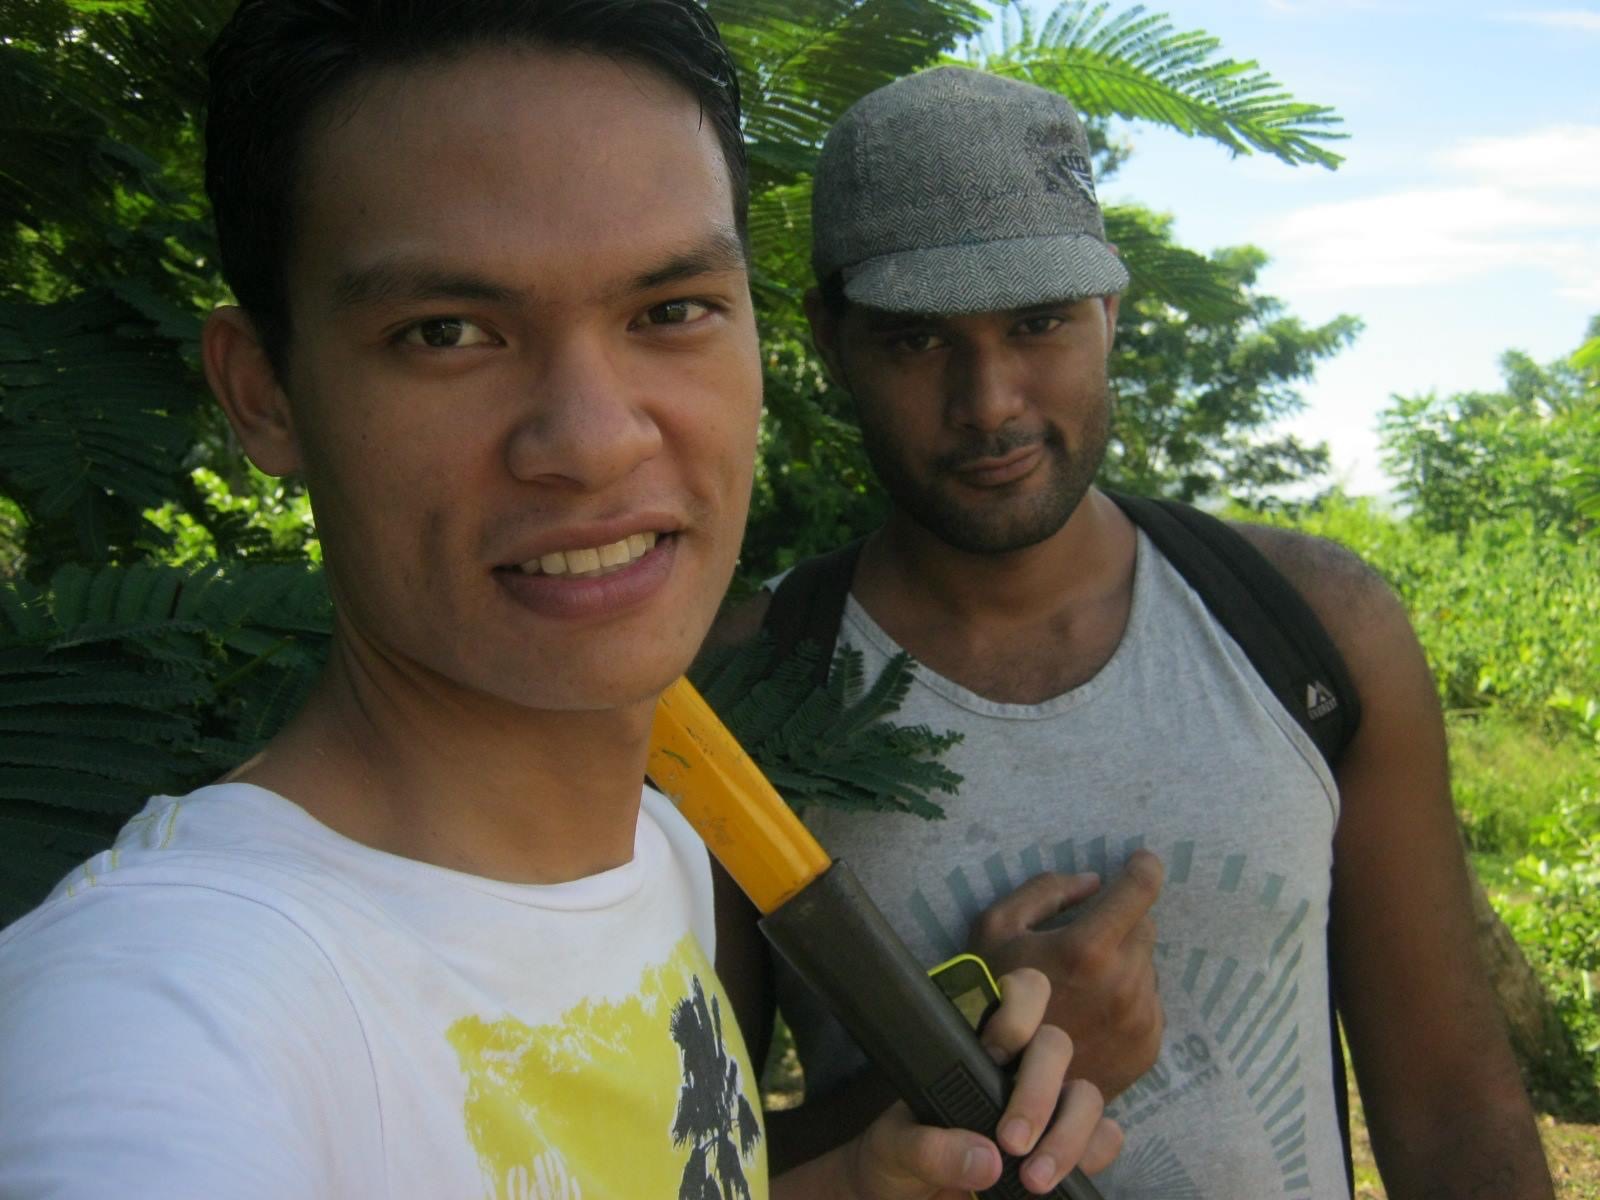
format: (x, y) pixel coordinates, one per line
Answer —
(1353, 602)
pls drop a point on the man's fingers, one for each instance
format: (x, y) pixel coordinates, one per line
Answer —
(1024, 995)
(1069, 1140)
(1103, 1148)
(896, 1152)
(1035, 1090)
(1127, 900)
(1037, 900)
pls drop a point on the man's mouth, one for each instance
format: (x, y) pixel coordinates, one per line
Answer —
(591, 562)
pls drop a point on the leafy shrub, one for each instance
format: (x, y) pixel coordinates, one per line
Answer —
(1507, 614)
(1557, 924)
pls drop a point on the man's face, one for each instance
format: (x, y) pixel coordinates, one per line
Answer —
(523, 374)
(986, 430)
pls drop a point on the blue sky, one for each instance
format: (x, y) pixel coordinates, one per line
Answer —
(1465, 220)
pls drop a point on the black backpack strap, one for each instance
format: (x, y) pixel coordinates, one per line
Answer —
(1262, 611)
(808, 606)
(1287, 646)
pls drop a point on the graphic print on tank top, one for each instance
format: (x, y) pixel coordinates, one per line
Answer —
(651, 1095)
(1236, 1030)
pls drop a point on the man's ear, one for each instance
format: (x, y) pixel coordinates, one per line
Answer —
(1112, 305)
(825, 336)
(246, 386)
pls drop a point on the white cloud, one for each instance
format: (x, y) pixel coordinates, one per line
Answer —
(1514, 203)
(1564, 157)
(1582, 19)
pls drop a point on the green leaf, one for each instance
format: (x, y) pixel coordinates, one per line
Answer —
(1135, 64)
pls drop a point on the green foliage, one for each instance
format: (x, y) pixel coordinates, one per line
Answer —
(266, 519)
(96, 415)
(828, 745)
(1508, 771)
(1528, 450)
(1508, 614)
(803, 62)
(1557, 922)
(124, 682)
(1134, 64)
(1195, 391)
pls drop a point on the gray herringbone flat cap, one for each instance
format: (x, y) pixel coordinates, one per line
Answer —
(954, 191)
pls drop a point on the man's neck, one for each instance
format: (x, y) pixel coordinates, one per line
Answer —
(1016, 627)
(461, 780)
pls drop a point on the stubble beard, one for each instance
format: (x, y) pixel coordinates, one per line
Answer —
(997, 524)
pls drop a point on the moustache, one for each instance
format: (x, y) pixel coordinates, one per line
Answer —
(997, 446)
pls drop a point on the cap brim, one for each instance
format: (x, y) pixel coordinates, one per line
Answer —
(987, 276)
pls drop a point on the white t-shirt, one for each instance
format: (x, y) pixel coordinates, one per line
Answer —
(237, 1002)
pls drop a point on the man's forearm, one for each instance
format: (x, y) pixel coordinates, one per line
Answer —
(1491, 1150)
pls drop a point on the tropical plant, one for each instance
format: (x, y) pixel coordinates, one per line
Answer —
(1527, 450)
(713, 1118)
(125, 682)
(1194, 391)
(831, 745)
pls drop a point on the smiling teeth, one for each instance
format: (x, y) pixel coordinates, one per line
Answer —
(591, 561)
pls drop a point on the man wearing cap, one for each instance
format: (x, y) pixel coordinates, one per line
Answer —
(1113, 732)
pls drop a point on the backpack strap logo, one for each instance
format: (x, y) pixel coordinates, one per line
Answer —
(1320, 700)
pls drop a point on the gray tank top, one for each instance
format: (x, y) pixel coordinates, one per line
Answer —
(1176, 746)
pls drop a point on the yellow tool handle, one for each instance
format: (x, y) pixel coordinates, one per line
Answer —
(706, 773)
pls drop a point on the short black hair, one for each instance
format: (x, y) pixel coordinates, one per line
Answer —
(833, 296)
(277, 64)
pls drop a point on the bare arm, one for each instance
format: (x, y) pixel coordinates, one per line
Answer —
(1444, 1102)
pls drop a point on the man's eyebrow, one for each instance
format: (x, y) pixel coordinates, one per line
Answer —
(401, 280)
(884, 321)
(721, 251)
(398, 280)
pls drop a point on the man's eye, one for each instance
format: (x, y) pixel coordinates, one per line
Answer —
(914, 341)
(676, 312)
(445, 333)
(1043, 323)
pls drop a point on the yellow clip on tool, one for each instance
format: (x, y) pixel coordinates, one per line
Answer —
(754, 834)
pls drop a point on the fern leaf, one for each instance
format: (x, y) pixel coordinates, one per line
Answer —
(887, 693)
(127, 762)
(103, 721)
(828, 745)
(24, 611)
(120, 687)
(1136, 65)
(69, 594)
(67, 789)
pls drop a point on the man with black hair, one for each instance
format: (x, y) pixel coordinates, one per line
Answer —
(1119, 742)
(433, 942)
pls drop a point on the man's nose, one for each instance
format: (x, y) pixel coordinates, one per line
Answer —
(585, 419)
(985, 388)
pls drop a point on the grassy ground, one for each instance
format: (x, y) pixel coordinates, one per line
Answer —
(1506, 777)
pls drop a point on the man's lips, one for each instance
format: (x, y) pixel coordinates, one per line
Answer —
(596, 591)
(998, 470)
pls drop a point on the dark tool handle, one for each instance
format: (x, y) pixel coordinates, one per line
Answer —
(839, 942)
